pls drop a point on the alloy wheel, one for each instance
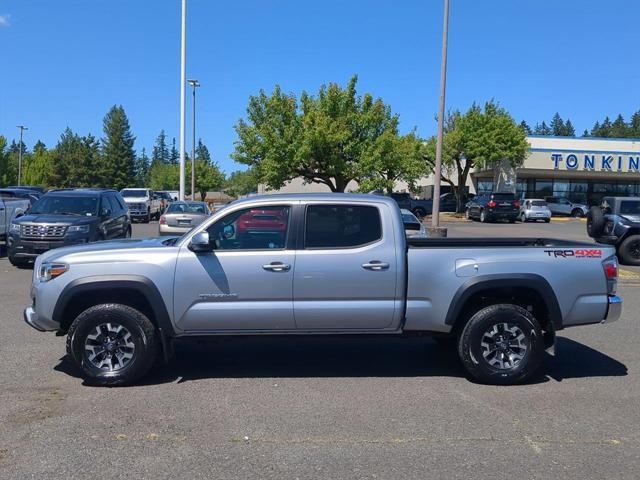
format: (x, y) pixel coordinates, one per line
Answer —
(504, 346)
(109, 347)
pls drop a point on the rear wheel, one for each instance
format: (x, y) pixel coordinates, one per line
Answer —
(577, 213)
(483, 216)
(629, 250)
(501, 345)
(595, 222)
(523, 218)
(112, 344)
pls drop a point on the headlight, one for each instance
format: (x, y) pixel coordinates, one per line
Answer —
(78, 229)
(49, 271)
(15, 227)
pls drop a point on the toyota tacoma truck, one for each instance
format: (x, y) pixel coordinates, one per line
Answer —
(143, 203)
(341, 264)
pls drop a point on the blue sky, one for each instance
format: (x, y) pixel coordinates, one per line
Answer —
(65, 62)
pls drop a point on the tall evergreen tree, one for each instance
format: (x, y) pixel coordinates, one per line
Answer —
(142, 168)
(585, 133)
(525, 126)
(542, 129)
(160, 152)
(557, 125)
(40, 167)
(619, 128)
(569, 131)
(118, 155)
(174, 156)
(202, 152)
(635, 125)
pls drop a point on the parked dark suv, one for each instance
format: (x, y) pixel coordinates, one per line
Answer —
(67, 217)
(493, 206)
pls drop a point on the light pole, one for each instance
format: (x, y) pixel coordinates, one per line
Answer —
(436, 230)
(183, 77)
(22, 129)
(194, 84)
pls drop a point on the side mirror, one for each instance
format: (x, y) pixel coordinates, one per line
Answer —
(200, 243)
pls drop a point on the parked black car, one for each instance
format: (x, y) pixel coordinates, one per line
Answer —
(493, 206)
(67, 217)
(616, 221)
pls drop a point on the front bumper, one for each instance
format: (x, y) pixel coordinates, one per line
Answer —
(42, 325)
(22, 248)
(614, 309)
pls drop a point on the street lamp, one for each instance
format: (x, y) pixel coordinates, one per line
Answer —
(194, 84)
(183, 77)
(436, 230)
(22, 129)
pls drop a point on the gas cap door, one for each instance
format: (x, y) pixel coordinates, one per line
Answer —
(466, 267)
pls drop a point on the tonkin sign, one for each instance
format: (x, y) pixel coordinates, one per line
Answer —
(603, 162)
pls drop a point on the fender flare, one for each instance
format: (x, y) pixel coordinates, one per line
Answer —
(137, 283)
(488, 282)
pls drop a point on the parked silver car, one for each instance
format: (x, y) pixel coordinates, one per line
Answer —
(563, 206)
(181, 217)
(534, 209)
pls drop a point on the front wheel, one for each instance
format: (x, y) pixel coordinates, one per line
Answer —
(17, 262)
(501, 345)
(577, 213)
(523, 218)
(112, 344)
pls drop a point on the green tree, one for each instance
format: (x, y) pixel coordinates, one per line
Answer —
(164, 177)
(323, 139)
(6, 174)
(481, 138)
(241, 182)
(39, 170)
(525, 127)
(569, 130)
(160, 152)
(634, 126)
(585, 133)
(542, 129)
(557, 125)
(142, 168)
(118, 156)
(619, 128)
(174, 155)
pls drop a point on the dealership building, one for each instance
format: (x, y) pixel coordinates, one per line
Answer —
(581, 169)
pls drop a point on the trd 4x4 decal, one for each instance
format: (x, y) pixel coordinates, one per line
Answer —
(577, 253)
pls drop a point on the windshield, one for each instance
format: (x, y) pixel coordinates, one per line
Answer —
(180, 207)
(139, 192)
(61, 205)
(629, 207)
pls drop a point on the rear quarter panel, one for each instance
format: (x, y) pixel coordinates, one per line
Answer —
(433, 281)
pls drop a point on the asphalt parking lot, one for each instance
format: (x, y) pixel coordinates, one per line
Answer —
(324, 408)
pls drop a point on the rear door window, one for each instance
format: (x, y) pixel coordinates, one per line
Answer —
(342, 226)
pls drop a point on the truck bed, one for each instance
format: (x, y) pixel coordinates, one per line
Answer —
(462, 242)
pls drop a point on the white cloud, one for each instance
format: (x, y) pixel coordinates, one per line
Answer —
(4, 20)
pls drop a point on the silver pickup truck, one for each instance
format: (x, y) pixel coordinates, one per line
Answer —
(319, 264)
(10, 207)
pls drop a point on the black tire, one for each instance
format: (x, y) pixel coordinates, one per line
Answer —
(523, 218)
(629, 250)
(143, 337)
(467, 215)
(489, 319)
(419, 212)
(547, 220)
(484, 218)
(512, 220)
(147, 219)
(17, 262)
(595, 222)
(127, 232)
(577, 213)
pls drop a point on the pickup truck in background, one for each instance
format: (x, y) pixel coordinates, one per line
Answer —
(11, 206)
(143, 203)
(319, 264)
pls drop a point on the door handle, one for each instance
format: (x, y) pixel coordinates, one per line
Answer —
(276, 267)
(375, 265)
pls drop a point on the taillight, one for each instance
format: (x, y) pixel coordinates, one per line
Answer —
(163, 221)
(516, 204)
(610, 267)
(491, 204)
